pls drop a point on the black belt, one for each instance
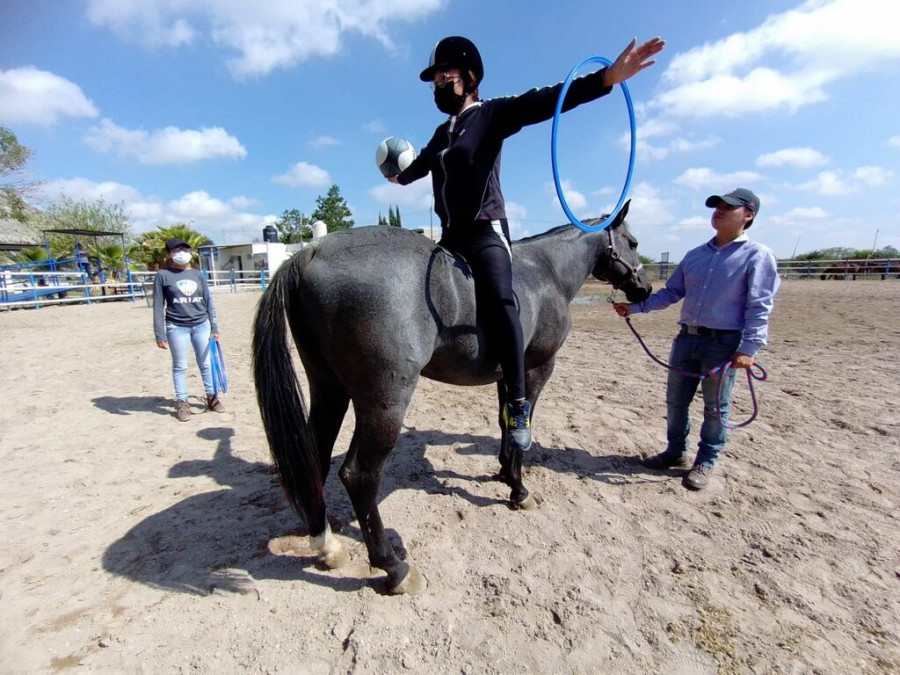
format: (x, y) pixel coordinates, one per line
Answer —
(703, 330)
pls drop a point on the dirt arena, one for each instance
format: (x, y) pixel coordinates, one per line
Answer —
(133, 543)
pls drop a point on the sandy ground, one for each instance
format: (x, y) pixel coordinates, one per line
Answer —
(134, 543)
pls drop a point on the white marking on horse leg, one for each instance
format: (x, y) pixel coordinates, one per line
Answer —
(327, 548)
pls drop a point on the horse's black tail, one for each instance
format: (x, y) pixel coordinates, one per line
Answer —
(281, 401)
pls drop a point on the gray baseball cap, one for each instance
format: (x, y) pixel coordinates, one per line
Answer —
(737, 197)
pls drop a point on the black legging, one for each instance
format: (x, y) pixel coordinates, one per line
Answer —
(489, 259)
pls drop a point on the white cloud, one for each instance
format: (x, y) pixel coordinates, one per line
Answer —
(674, 141)
(375, 127)
(841, 183)
(516, 215)
(649, 152)
(416, 195)
(198, 204)
(222, 220)
(692, 224)
(704, 178)
(787, 62)
(264, 35)
(873, 176)
(801, 158)
(242, 202)
(164, 146)
(82, 188)
(648, 208)
(828, 184)
(323, 141)
(894, 141)
(29, 95)
(576, 200)
(655, 127)
(303, 174)
(798, 216)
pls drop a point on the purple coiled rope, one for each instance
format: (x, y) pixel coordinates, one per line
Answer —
(722, 367)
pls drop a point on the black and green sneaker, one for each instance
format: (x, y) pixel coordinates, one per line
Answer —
(517, 418)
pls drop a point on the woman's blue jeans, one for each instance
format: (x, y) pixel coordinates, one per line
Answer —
(699, 354)
(181, 338)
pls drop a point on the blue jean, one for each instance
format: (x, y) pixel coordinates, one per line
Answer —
(699, 354)
(180, 339)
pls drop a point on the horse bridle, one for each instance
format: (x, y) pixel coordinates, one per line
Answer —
(613, 257)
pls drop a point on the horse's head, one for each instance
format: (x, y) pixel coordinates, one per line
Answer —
(619, 263)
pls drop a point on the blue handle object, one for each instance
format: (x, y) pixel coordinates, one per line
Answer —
(559, 104)
(220, 380)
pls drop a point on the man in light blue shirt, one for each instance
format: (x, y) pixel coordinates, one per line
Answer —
(728, 286)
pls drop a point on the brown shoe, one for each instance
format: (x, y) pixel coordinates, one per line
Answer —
(664, 461)
(213, 403)
(699, 477)
(182, 410)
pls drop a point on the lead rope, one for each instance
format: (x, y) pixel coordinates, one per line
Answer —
(217, 360)
(722, 367)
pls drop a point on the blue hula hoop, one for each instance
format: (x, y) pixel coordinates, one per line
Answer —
(220, 380)
(559, 104)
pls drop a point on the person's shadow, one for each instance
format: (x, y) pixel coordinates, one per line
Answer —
(126, 405)
(225, 538)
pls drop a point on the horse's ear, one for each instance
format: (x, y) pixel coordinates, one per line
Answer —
(620, 216)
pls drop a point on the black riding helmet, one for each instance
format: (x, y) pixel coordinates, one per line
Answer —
(454, 52)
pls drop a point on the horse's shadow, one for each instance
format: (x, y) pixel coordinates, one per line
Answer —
(226, 538)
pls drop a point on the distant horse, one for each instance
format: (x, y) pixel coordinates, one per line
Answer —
(370, 310)
(843, 270)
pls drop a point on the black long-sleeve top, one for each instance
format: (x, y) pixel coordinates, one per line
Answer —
(463, 155)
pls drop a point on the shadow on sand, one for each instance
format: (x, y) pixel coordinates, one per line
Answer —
(224, 539)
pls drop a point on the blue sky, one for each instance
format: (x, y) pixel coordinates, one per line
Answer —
(224, 113)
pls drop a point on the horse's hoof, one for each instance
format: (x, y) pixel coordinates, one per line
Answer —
(530, 503)
(412, 584)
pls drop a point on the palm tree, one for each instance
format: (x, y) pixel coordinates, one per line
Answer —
(110, 256)
(150, 247)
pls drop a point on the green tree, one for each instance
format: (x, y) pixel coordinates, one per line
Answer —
(66, 213)
(111, 256)
(293, 227)
(96, 216)
(150, 247)
(333, 211)
(14, 186)
(382, 220)
(394, 217)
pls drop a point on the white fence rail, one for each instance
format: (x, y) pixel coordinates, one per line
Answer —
(38, 289)
(880, 269)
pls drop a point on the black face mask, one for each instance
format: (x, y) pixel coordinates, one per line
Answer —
(447, 100)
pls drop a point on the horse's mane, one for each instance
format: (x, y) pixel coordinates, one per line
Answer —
(551, 232)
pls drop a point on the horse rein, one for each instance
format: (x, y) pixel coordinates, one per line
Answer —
(721, 368)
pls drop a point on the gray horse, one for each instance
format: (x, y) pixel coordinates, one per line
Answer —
(371, 310)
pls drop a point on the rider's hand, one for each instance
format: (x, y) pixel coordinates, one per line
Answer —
(632, 61)
(742, 360)
(622, 309)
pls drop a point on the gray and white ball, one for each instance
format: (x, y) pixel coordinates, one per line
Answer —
(393, 155)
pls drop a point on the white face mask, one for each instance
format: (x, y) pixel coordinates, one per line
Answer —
(181, 257)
